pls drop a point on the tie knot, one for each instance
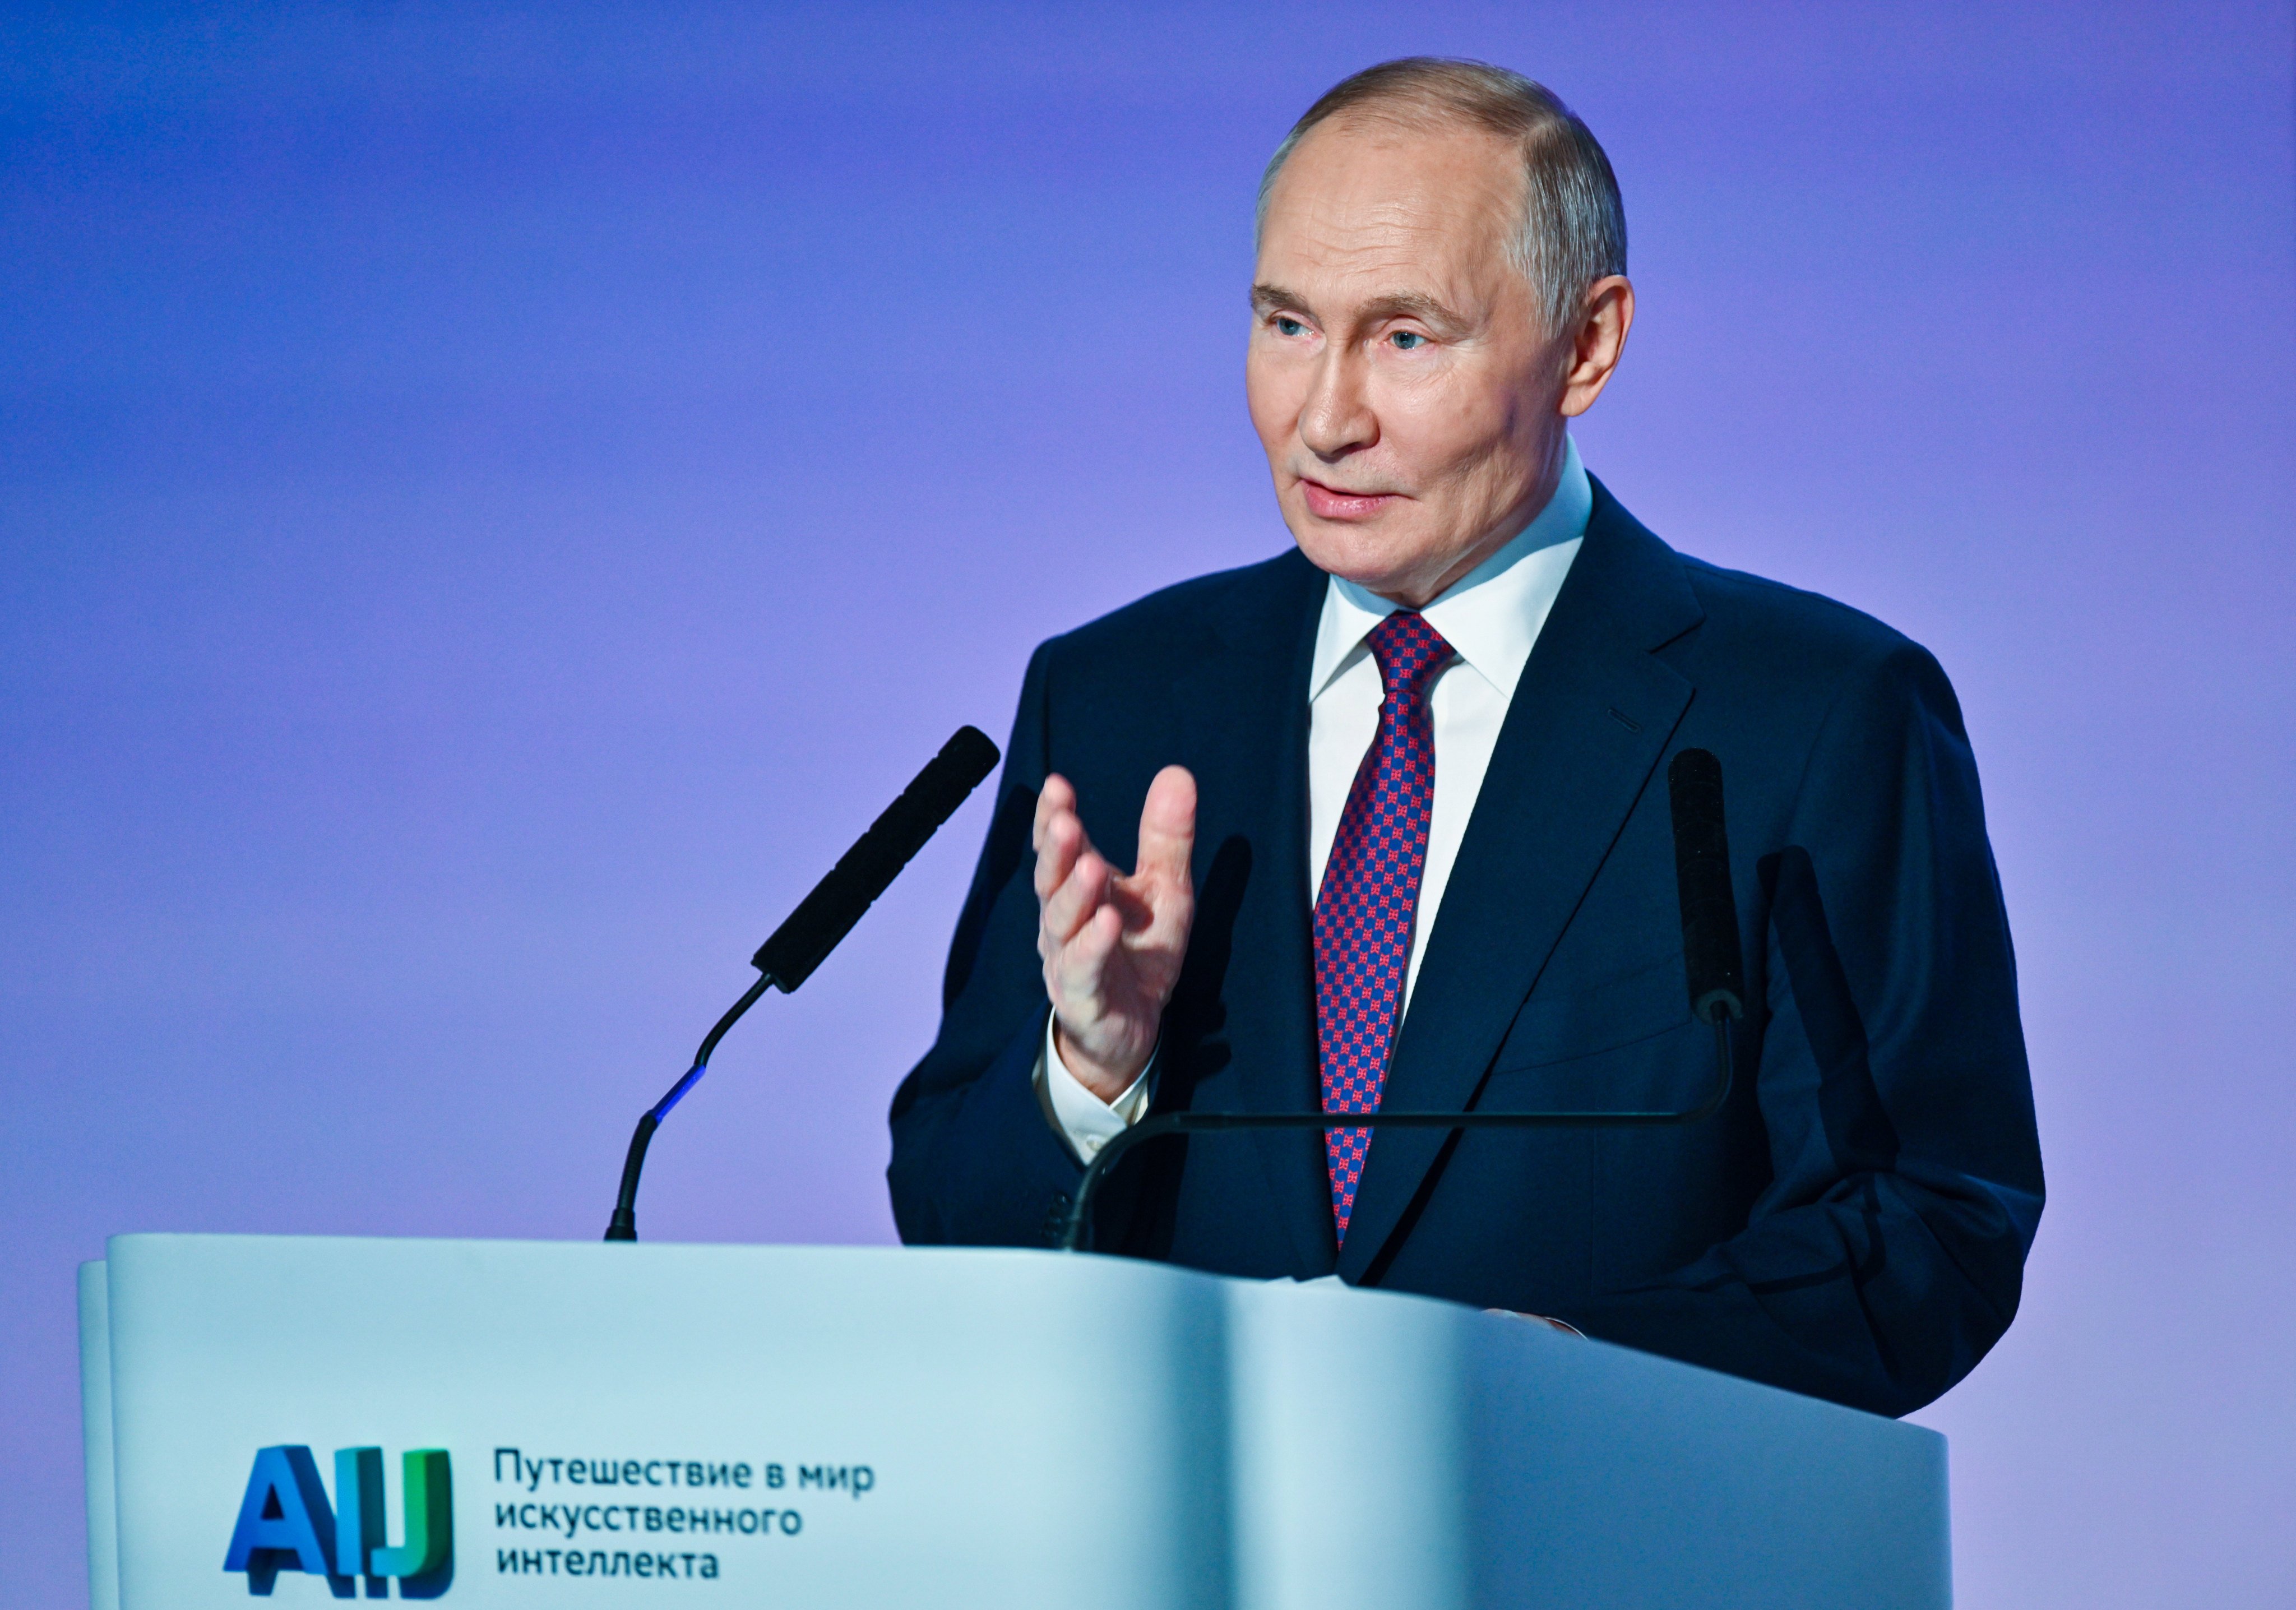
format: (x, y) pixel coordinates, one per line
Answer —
(1409, 652)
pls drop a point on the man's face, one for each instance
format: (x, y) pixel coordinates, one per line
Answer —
(1399, 377)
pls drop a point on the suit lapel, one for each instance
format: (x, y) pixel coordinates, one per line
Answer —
(1589, 720)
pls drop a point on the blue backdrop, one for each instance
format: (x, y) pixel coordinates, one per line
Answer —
(491, 501)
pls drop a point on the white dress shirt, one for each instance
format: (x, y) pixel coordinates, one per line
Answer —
(1492, 616)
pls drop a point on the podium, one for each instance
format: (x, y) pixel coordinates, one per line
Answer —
(602, 1426)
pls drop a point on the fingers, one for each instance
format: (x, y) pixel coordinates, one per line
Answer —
(1072, 880)
(1081, 894)
(1074, 883)
(1167, 827)
(1078, 965)
(1057, 797)
(1058, 836)
(1168, 840)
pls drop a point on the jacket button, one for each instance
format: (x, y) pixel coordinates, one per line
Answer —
(1056, 1218)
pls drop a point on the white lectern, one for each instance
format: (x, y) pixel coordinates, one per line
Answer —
(553, 1425)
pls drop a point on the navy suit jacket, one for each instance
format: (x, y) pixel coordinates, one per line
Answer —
(1852, 1224)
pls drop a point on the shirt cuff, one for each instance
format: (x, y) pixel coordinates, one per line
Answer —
(1083, 1119)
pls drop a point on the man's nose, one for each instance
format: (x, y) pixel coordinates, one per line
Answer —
(1336, 416)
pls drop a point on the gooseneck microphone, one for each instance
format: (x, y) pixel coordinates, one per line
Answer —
(822, 918)
(1711, 963)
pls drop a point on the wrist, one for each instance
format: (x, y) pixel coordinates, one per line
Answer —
(1107, 1079)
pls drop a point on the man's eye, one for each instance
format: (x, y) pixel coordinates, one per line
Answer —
(1409, 340)
(1289, 327)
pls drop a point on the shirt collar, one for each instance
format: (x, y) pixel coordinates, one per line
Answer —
(1492, 614)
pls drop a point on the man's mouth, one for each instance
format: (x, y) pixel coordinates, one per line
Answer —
(1338, 502)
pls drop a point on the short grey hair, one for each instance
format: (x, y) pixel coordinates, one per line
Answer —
(1574, 226)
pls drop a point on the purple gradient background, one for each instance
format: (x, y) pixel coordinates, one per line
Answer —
(489, 505)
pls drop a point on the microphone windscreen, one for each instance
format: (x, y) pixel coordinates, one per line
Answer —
(1711, 954)
(827, 915)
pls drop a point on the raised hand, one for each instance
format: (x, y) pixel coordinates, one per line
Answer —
(1112, 944)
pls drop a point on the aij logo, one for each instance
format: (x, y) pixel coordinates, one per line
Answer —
(285, 1523)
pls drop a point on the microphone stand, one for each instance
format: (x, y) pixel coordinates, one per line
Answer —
(1721, 1013)
(623, 1225)
(823, 917)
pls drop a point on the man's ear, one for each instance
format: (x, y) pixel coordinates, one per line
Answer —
(1598, 343)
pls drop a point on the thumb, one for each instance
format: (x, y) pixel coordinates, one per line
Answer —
(1168, 826)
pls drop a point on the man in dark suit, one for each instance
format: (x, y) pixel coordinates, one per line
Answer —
(1403, 840)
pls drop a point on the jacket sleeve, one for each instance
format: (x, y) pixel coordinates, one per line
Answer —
(975, 1161)
(1887, 1252)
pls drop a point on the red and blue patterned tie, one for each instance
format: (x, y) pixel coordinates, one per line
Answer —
(1370, 891)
